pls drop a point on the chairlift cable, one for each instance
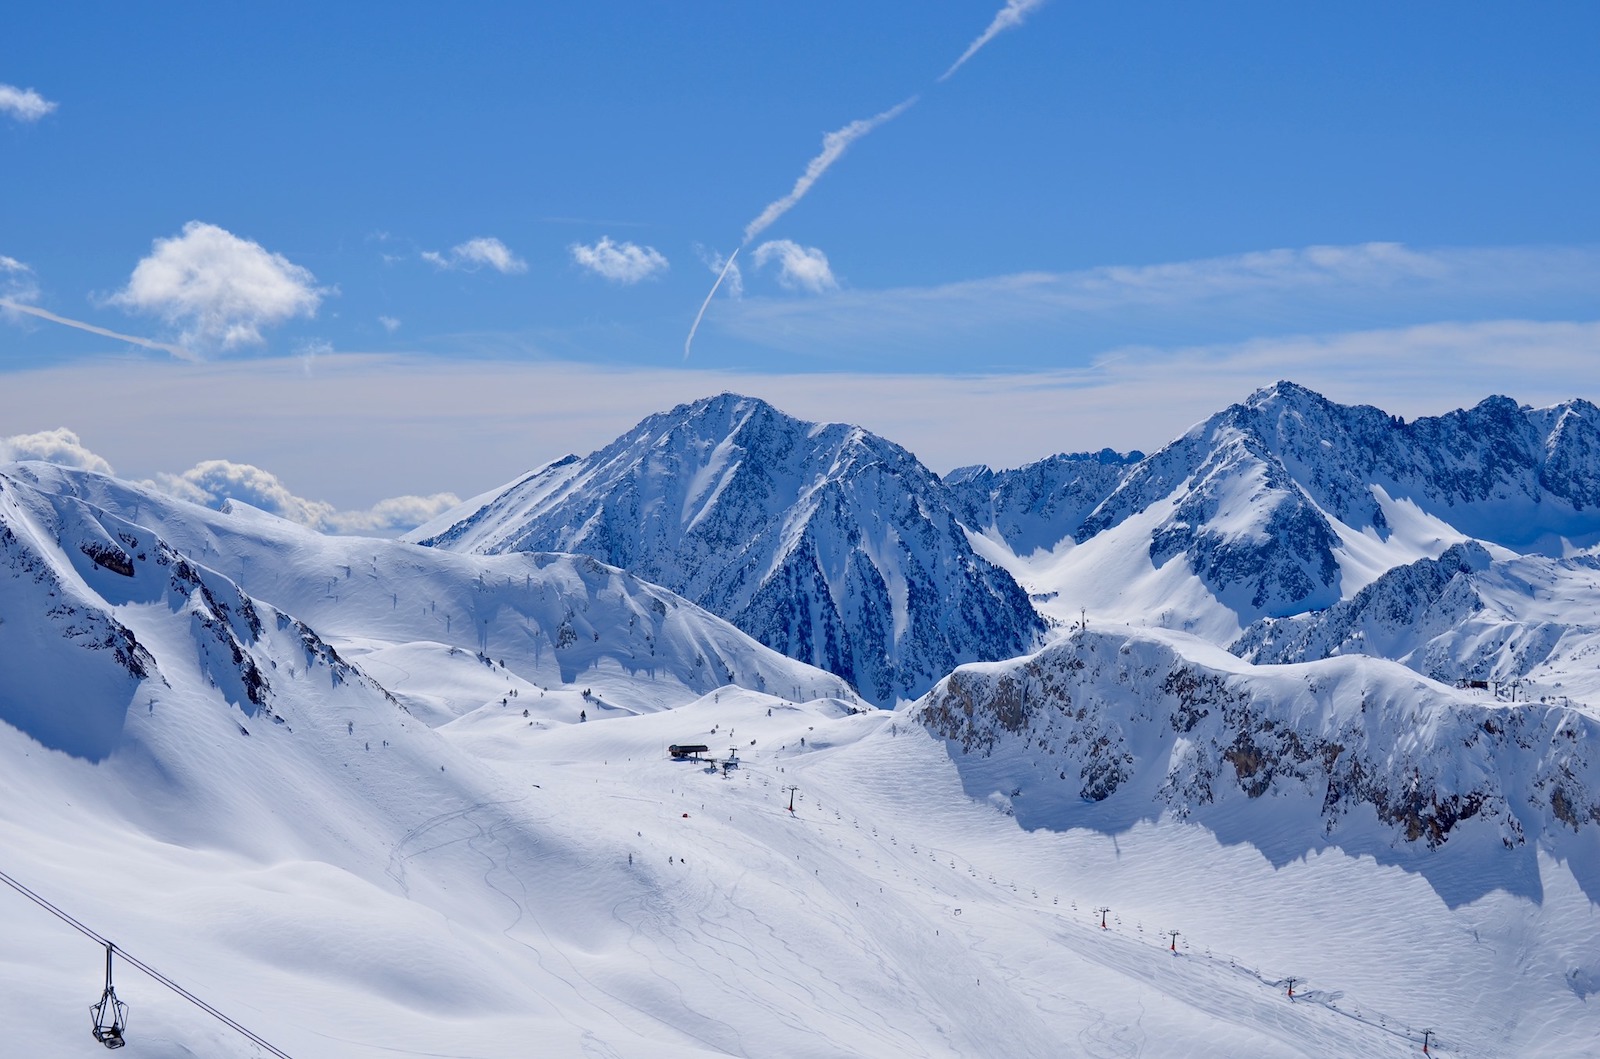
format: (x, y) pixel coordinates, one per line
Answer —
(146, 968)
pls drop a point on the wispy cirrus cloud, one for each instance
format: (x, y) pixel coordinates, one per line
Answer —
(23, 104)
(724, 266)
(474, 254)
(623, 263)
(1129, 396)
(14, 270)
(1215, 299)
(1008, 17)
(14, 307)
(799, 267)
(19, 287)
(218, 289)
(834, 144)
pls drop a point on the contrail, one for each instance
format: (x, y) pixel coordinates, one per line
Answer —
(45, 314)
(1008, 17)
(833, 145)
(687, 342)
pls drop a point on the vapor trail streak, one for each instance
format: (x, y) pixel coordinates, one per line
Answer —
(1008, 17)
(687, 342)
(833, 145)
(45, 314)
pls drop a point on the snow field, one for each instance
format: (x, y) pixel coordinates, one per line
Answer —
(475, 911)
(436, 874)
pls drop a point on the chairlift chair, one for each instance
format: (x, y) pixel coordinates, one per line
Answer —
(111, 1014)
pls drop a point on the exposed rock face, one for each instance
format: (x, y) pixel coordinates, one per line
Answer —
(75, 582)
(549, 617)
(1102, 717)
(1465, 616)
(1038, 505)
(1251, 494)
(822, 541)
(1391, 618)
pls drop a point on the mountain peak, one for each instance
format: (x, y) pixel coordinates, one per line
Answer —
(823, 541)
(1284, 390)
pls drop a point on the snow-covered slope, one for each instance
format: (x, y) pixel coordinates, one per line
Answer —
(1466, 616)
(94, 610)
(572, 890)
(1037, 506)
(440, 873)
(1288, 503)
(822, 541)
(1104, 728)
(477, 622)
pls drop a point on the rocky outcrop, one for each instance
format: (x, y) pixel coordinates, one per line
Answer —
(1102, 717)
(1040, 504)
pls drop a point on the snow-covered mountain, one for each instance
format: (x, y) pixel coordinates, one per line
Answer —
(1105, 728)
(370, 798)
(823, 541)
(1255, 490)
(97, 612)
(400, 610)
(1288, 502)
(1034, 507)
(1466, 616)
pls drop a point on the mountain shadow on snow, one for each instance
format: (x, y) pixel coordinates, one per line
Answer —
(1107, 729)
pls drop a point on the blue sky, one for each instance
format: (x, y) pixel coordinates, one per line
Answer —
(425, 246)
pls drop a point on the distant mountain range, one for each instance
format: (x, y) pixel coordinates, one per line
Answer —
(1263, 499)
(1287, 529)
(838, 548)
(103, 572)
(1304, 665)
(823, 541)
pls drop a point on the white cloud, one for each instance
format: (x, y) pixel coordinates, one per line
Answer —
(726, 267)
(799, 267)
(485, 251)
(478, 434)
(212, 483)
(219, 289)
(60, 446)
(390, 323)
(735, 278)
(23, 104)
(624, 263)
(833, 146)
(1008, 17)
(1225, 298)
(18, 287)
(395, 515)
